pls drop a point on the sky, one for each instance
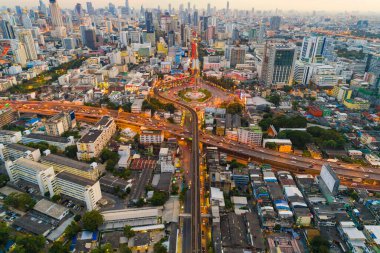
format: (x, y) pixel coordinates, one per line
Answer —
(300, 5)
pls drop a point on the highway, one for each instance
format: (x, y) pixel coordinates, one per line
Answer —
(195, 183)
(258, 154)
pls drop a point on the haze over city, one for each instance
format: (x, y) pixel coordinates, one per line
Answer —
(208, 126)
(298, 5)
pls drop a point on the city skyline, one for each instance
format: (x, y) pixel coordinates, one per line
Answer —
(323, 5)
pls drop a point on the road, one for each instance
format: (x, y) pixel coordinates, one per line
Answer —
(194, 174)
(288, 161)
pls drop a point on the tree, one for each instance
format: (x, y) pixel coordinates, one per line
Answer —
(56, 198)
(128, 232)
(287, 88)
(104, 249)
(72, 230)
(319, 244)
(159, 198)
(159, 248)
(175, 189)
(235, 108)
(77, 217)
(59, 247)
(275, 99)
(4, 234)
(92, 220)
(71, 151)
(3, 180)
(125, 249)
(30, 243)
(21, 201)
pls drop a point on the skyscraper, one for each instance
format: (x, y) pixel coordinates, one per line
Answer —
(228, 6)
(237, 56)
(90, 38)
(312, 48)
(149, 22)
(275, 23)
(278, 63)
(56, 19)
(195, 18)
(78, 9)
(19, 53)
(208, 9)
(26, 22)
(127, 9)
(25, 37)
(56, 16)
(90, 8)
(7, 28)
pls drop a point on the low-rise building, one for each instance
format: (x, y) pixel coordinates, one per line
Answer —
(9, 136)
(60, 142)
(14, 151)
(7, 115)
(151, 137)
(250, 135)
(60, 123)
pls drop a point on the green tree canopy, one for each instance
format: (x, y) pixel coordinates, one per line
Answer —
(21, 201)
(4, 234)
(59, 247)
(128, 232)
(92, 220)
(319, 244)
(72, 230)
(30, 243)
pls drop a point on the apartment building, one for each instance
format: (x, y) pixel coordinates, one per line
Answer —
(151, 137)
(60, 123)
(78, 188)
(7, 115)
(63, 164)
(30, 171)
(14, 151)
(9, 136)
(92, 143)
(250, 135)
(60, 142)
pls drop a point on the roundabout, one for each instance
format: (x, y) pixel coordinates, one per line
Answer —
(194, 94)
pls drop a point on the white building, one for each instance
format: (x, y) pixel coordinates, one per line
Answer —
(30, 171)
(151, 137)
(9, 136)
(250, 135)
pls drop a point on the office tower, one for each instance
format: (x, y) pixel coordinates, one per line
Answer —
(19, 52)
(127, 9)
(235, 35)
(25, 37)
(275, 23)
(42, 8)
(112, 8)
(90, 8)
(69, 43)
(26, 22)
(78, 9)
(195, 18)
(18, 10)
(237, 56)
(372, 70)
(149, 22)
(170, 8)
(56, 16)
(278, 63)
(90, 38)
(228, 6)
(7, 28)
(312, 48)
(208, 9)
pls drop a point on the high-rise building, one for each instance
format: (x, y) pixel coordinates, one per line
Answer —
(208, 9)
(56, 16)
(149, 22)
(78, 9)
(313, 48)
(18, 10)
(228, 6)
(26, 21)
(7, 28)
(195, 18)
(275, 23)
(236, 55)
(90, 8)
(56, 19)
(112, 8)
(69, 43)
(372, 70)
(127, 9)
(90, 38)
(19, 52)
(25, 37)
(7, 115)
(42, 8)
(278, 63)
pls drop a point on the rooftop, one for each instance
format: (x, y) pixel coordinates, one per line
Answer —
(51, 209)
(75, 179)
(31, 164)
(66, 161)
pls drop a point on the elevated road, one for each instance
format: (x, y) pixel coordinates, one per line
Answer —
(347, 172)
